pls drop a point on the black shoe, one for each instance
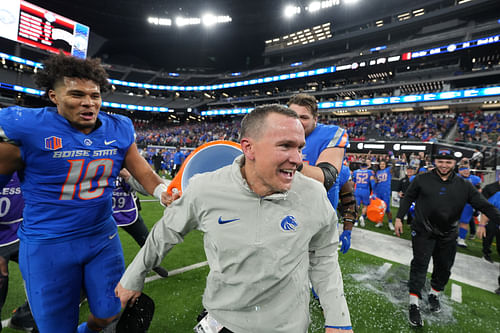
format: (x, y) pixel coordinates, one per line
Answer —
(434, 304)
(161, 271)
(414, 316)
(487, 257)
(22, 319)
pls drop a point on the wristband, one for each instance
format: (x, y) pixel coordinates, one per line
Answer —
(482, 225)
(159, 189)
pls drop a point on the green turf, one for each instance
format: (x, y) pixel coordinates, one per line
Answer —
(376, 304)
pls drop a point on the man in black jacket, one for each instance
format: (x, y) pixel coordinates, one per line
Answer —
(440, 196)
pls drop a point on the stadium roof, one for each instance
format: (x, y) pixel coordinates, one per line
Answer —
(120, 33)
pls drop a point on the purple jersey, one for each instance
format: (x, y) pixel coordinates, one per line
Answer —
(124, 206)
(11, 211)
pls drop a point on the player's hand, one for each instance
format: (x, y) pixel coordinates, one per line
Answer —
(398, 227)
(337, 330)
(345, 239)
(167, 199)
(126, 295)
(480, 232)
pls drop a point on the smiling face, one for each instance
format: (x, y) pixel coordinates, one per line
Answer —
(79, 101)
(306, 117)
(272, 158)
(444, 167)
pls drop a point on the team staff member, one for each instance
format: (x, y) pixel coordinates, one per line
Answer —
(261, 240)
(67, 158)
(440, 196)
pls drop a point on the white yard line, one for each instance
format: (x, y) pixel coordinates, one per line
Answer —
(456, 293)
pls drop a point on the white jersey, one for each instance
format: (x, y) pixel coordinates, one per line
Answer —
(261, 251)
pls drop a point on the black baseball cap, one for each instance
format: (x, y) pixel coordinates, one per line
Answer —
(444, 154)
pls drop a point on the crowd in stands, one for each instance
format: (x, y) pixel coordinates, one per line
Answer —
(185, 135)
(426, 127)
(478, 127)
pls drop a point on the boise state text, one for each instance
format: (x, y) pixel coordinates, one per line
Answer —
(85, 153)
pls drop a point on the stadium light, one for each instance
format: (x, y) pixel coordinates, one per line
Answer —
(209, 20)
(349, 2)
(314, 6)
(291, 11)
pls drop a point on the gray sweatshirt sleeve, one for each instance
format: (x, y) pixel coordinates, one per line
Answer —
(326, 276)
(134, 183)
(178, 219)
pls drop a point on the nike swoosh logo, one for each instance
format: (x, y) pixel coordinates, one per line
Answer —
(113, 235)
(221, 221)
(109, 142)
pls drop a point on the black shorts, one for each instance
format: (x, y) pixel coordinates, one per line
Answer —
(10, 252)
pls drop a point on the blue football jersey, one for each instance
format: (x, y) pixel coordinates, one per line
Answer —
(69, 176)
(468, 211)
(323, 136)
(362, 179)
(384, 178)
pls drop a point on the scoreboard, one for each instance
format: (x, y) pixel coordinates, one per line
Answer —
(26, 23)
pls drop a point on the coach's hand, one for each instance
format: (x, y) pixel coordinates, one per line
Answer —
(126, 295)
(398, 227)
(167, 199)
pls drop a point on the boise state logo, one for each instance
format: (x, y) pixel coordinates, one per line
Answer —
(53, 143)
(288, 223)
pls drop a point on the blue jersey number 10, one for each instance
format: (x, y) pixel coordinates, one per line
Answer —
(84, 186)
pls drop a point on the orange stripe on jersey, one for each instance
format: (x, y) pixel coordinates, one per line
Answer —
(343, 142)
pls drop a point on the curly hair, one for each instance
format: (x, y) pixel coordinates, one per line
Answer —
(58, 66)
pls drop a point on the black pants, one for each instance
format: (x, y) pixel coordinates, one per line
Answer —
(492, 231)
(138, 231)
(442, 251)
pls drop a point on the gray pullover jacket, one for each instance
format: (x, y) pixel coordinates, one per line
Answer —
(261, 251)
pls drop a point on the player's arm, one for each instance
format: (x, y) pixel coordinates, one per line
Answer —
(143, 173)
(10, 161)
(348, 205)
(327, 166)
